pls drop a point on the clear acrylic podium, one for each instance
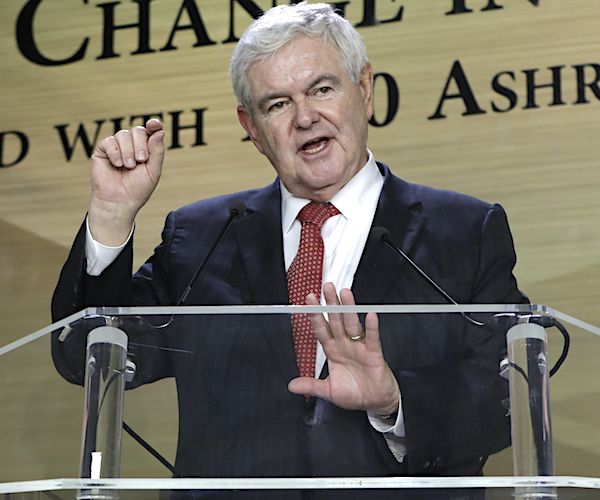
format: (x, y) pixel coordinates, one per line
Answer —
(50, 427)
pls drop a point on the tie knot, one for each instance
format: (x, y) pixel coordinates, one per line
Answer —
(317, 213)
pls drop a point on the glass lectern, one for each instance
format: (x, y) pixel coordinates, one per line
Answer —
(55, 429)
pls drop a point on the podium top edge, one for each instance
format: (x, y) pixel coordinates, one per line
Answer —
(172, 311)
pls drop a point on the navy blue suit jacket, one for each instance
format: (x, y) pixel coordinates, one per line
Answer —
(236, 415)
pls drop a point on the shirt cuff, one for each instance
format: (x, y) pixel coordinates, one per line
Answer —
(386, 426)
(394, 432)
(98, 256)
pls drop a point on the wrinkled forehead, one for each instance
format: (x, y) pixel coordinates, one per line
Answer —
(297, 60)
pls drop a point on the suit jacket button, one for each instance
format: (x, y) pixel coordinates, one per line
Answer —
(309, 420)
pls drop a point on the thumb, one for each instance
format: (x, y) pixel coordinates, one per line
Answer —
(308, 386)
(156, 152)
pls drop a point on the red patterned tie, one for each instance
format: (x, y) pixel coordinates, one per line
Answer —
(305, 276)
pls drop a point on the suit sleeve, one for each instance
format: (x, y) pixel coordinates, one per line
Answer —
(455, 412)
(115, 286)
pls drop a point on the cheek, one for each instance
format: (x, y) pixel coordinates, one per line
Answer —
(276, 146)
(279, 138)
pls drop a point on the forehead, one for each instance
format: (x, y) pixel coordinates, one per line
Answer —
(296, 63)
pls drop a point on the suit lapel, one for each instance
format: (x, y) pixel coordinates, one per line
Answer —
(261, 245)
(379, 268)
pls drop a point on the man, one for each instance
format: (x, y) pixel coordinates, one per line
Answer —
(395, 396)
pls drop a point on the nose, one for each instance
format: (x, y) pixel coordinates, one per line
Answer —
(306, 114)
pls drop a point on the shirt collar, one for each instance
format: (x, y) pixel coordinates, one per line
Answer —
(367, 180)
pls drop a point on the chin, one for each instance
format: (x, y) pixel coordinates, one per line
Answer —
(322, 192)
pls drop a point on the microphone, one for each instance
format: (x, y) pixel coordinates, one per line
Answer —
(382, 235)
(236, 209)
(499, 322)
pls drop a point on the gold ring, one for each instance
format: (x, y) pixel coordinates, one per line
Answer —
(358, 338)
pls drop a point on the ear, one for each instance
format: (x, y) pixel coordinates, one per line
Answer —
(247, 122)
(366, 88)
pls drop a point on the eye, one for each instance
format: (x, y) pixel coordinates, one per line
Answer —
(324, 90)
(276, 106)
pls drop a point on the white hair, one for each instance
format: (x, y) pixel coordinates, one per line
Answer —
(282, 24)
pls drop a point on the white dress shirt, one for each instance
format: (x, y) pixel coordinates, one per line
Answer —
(344, 236)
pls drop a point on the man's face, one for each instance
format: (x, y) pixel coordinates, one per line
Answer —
(308, 117)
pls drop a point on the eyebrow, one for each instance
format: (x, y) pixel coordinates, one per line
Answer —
(318, 80)
(324, 78)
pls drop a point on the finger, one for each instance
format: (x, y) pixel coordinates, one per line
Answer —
(156, 153)
(139, 136)
(372, 331)
(309, 386)
(125, 142)
(352, 325)
(330, 294)
(336, 323)
(108, 149)
(318, 322)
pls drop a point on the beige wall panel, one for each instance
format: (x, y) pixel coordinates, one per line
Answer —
(541, 164)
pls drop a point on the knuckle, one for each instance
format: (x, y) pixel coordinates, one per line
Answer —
(122, 133)
(110, 145)
(140, 130)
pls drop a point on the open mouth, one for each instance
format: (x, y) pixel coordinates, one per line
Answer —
(315, 146)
